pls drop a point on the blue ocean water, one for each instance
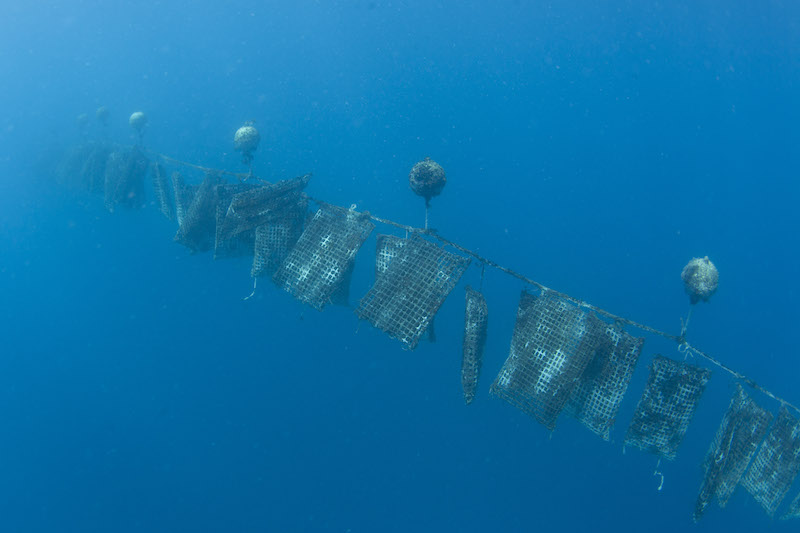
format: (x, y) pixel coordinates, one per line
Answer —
(593, 146)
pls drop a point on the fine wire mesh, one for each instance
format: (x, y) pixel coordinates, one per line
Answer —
(124, 178)
(163, 191)
(741, 431)
(404, 299)
(602, 386)
(794, 509)
(236, 244)
(275, 239)
(184, 195)
(552, 344)
(666, 407)
(476, 317)
(778, 461)
(319, 262)
(254, 206)
(197, 231)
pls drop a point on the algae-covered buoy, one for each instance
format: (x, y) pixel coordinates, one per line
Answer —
(427, 179)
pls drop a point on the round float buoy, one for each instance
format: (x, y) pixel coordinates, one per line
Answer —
(700, 279)
(427, 179)
(246, 140)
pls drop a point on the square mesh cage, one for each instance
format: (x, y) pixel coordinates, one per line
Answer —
(184, 195)
(794, 509)
(163, 191)
(275, 239)
(408, 293)
(778, 461)
(197, 231)
(324, 254)
(255, 206)
(552, 344)
(666, 407)
(124, 178)
(741, 431)
(603, 384)
(237, 244)
(476, 318)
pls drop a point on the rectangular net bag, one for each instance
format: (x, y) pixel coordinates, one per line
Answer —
(774, 469)
(552, 344)
(320, 261)
(666, 407)
(603, 384)
(741, 431)
(413, 279)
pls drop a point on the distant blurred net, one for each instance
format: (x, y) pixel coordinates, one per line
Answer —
(476, 318)
(125, 170)
(666, 407)
(552, 345)
(231, 244)
(323, 257)
(602, 386)
(741, 431)
(794, 509)
(415, 277)
(163, 191)
(777, 464)
(184, 196)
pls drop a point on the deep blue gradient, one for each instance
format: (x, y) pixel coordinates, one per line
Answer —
(594, 146)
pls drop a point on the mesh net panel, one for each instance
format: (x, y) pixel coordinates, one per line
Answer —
(237, 244)
(255, 206)
(124, 178)
(275, 239)
(603, 384)
(319, 261)
(794, 509)
(163, 191)
(666, 407)
(778, 461)
(552, 344)
(197, 231)
(184, 195)
(85, 166)
(476, 318)
(741, 431)
(415, 283)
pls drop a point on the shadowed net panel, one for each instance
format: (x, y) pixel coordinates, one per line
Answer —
(124, 178)
(197, 231)
(742, 429)
(794, 509)
(275, 239)
(324, 254)
(84, 166)
(416, 280)
(184, 195)
(603, 384)
(778, 461)
(476, 318)
(255, 206)
(236, 244)
(552, 345)
(163, 191)
(666, 407)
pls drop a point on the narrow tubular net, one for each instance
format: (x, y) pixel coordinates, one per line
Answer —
(476, 318)
(666, 407)
(741, 431)
(416, 278)
(602, 386)
(324, 254)
(163, 191)
(778, 461)
(553, 342)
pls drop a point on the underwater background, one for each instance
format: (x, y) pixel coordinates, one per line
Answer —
(595, 147)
